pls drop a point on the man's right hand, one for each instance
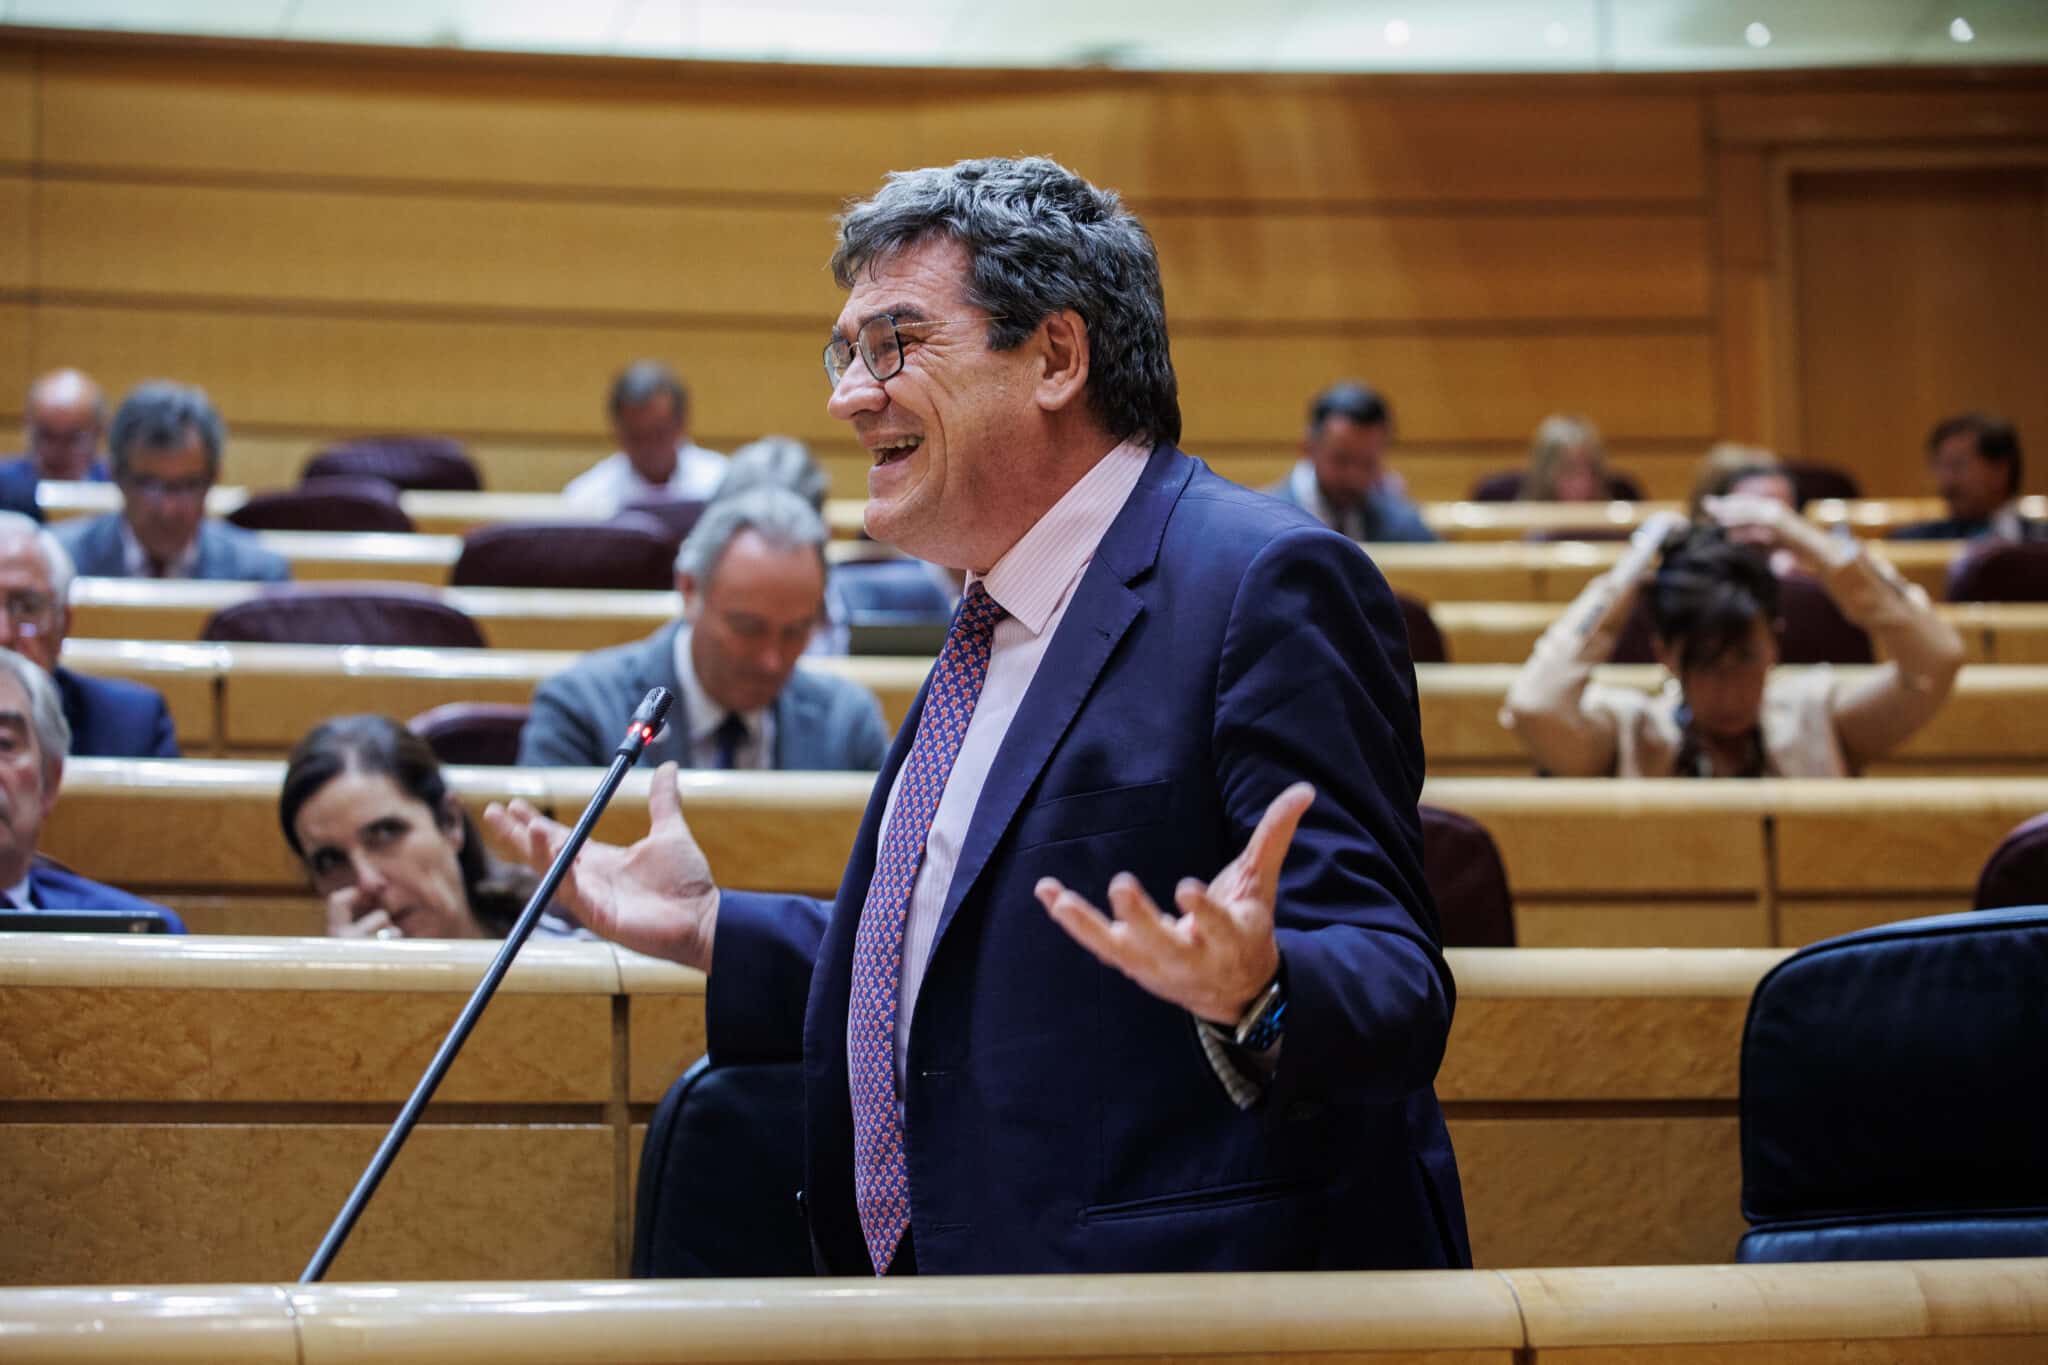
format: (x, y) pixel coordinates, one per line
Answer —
(656, 897)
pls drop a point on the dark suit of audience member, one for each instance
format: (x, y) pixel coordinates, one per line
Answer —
(1977, 465)
(31, 776)
(166, 441)
(752, 578)
(109, 717)
(114, 718)
(1342, 479)
(18, 489)
(51, 887)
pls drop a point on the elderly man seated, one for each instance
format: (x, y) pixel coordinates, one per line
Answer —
(166, 442)
(33, 743)
(109, 717)
(752, 577)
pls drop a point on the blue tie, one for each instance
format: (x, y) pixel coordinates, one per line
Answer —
(730, 734)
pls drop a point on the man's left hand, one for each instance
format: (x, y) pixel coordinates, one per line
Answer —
(1219, 953)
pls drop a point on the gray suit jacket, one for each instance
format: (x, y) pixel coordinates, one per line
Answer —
(580, 714)
(225, 552)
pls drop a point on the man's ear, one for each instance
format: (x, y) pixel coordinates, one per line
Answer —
(1063, 347)
(52, 784)
(686, 584)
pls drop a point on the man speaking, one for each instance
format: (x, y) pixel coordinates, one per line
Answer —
(1033, 1040)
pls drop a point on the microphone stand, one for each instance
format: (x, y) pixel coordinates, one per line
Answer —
(640, 733)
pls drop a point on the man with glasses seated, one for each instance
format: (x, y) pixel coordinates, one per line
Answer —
(166, 443)
(109, 717)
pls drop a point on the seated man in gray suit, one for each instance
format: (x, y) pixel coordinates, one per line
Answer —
(752, 576)
(1342, 479)
(166, 442)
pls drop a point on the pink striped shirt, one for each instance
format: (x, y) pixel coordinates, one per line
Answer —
(1033, 582)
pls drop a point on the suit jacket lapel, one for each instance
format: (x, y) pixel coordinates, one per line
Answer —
(1102, 609)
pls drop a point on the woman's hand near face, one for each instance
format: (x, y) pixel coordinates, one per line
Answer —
(346, 917)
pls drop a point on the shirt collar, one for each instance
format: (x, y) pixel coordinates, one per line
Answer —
(19, 893)
(1033, 576)
(136, 559)
(705, 714)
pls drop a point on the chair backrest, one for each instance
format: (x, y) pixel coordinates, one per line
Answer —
(1425, 641)
(325, 504)
(352, 614)
(407, 461)
(1814, 481)
(483, 733)
(675, 516)
(1895, 1094)
(720, 1176)
(2000, 571)
(1506, 486)
(1467, 880)
(897, 588)
(1815, 630)
(2016, 873)
(566, 554)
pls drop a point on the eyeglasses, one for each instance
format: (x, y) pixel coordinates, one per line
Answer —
(162, 490)
(84, 438)
(881, 345)
(28, 610)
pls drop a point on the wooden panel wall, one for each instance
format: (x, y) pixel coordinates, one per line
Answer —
(336, 240)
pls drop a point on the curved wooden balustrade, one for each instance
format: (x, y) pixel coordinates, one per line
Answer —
(1594, 862)
(436, 512)
(1926, 1312)
(154, 1091)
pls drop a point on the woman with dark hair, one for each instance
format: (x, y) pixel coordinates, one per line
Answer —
(365, 808)
(1713, 604)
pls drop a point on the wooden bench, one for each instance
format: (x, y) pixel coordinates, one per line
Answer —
(1505, 632)
(437, 512)
(1595, 862)
(1925, 1312)
(1982, 729)
(257, 700)
(157, 1091)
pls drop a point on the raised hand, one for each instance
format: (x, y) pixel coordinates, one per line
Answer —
(656, 897)
(1214, 958)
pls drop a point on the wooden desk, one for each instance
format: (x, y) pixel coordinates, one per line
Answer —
(1505, 632)
(440, 512)
(1925, 1312)
(134, 1087)
(1981, 730)
(1597, 862)
(1510, 571)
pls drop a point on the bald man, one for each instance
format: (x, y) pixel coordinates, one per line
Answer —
(66, 422)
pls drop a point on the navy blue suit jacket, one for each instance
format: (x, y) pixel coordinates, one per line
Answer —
(113, 718)
(1219, 646)
(18, 488)
(55, 888)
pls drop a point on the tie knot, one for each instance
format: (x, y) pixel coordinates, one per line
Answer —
(979, 612)
(732, 730)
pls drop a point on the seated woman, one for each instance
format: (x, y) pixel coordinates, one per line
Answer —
(365, 808)
(1567, 463)
(1724, 713)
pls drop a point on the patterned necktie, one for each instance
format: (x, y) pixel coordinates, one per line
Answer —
(730, 734)
(881, 1177)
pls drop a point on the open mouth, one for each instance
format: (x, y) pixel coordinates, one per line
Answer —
(889, 452)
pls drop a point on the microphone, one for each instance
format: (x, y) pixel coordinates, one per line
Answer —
(640, 732)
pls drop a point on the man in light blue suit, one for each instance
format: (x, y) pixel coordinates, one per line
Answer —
(33, 742)
(166, 442)
(752, 578)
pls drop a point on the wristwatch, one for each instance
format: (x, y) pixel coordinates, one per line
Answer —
(1262, 1023)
